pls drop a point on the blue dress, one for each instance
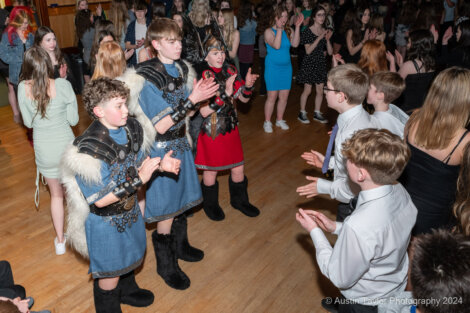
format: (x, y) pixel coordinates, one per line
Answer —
(169, 195)
(278, 67)
(116, 243)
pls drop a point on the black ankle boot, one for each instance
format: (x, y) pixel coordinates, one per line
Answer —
(184, 251)
(106, 301)
(239, 197)
(131, 294)
(211, 202)
(167, 263)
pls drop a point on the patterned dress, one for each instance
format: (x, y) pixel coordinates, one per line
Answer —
(313, 69)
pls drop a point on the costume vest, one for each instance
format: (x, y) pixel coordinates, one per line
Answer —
(97, 142)
(155, 72)
(225, 119)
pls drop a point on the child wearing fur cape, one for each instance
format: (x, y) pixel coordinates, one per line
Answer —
(102, 171)
(160, 102)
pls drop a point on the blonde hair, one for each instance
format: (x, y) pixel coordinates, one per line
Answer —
(228, 28)
(383, 154)
(445, 110)
(118, 16)
(110, 61)
(391, 84)
(350, 80)
(200, 11)
(162, 28)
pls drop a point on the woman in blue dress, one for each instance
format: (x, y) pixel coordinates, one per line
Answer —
(278, 68)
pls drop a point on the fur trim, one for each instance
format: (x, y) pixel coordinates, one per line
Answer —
(191, 75)
(189, 85)
(135, 83)
(89, 169)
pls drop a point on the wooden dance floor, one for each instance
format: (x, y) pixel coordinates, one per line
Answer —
(262, 264)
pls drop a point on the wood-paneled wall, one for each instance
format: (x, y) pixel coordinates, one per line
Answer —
(61, 18)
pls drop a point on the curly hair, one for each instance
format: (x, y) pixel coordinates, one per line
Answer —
(423, 48)
(101, 90)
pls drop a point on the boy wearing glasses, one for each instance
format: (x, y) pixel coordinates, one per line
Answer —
(345, 90)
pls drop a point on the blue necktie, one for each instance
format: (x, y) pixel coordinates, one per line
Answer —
(326, 162)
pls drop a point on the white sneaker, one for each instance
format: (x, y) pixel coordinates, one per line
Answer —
(268, 127)
(59, 247)
(282, 124)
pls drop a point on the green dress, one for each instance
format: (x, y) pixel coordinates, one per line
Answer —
(52, 133)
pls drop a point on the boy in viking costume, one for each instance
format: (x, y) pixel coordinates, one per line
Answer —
(218, 144)
(102, 171)
(160, 100)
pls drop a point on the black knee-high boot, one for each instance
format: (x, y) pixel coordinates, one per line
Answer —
(184, 251)
(211, 202)
(132, 294)
(239, 197)
(167, 263)
(106, 301)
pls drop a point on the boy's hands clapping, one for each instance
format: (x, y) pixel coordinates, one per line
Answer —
(203, 90)
(310, 219)
(309, 190)
(229, 85)
(314, 158)
(149, 165)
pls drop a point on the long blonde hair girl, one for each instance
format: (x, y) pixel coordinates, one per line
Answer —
(445, 110)
(228, 28)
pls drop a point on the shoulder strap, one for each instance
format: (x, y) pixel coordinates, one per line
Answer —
(447, 159)
(417, 68)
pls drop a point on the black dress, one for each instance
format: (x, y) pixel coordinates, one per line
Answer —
(417, 86)
(432, 185)
(313, 69)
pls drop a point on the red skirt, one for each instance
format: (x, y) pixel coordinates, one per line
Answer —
(222, 153)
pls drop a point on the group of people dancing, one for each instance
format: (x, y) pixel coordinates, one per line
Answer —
(401, 147)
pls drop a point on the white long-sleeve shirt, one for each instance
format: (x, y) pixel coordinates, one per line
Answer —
(369, 261)
(341, 188)
(394, 120)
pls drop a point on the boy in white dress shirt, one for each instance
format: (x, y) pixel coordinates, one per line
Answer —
(345, 90)
(386, 87)
(369, 262)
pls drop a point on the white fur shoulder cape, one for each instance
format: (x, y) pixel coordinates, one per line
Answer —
(88, 168)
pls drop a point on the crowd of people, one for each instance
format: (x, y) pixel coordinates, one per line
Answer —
(162, 82)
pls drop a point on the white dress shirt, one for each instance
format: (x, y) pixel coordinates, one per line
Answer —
(369, 261)
(394, 120)
(349, 122)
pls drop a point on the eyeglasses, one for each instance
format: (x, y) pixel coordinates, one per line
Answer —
(326, 89)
